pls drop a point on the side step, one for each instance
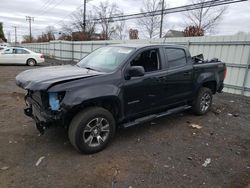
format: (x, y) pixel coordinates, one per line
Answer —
(155, 116)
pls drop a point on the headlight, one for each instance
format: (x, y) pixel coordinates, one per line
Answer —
(55, 99)
(54, 102)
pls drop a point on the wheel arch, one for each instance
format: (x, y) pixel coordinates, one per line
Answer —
(208, 80)
(110, 103)
(212, 85)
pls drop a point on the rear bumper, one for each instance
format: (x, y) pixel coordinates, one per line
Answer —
(40, 60)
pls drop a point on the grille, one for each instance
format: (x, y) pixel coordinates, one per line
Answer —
(37, 97)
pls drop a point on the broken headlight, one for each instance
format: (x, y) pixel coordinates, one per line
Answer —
(55, 100)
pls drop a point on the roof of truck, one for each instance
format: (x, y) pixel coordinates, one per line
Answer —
(140, 45)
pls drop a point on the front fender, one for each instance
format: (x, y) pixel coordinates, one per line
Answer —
(76, 97)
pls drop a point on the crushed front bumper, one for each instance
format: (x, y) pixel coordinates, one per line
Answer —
(43, 118)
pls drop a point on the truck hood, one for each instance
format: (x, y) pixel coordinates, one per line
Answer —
(43, 78)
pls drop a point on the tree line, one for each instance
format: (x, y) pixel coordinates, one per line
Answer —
(198, 22)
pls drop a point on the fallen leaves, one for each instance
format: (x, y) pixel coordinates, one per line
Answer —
(39, 160)
(5, 168)
(206, 162)
(195, 126)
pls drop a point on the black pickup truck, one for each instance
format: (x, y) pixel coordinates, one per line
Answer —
(119, 86)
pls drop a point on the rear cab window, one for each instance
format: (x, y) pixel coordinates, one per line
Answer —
(176, 57)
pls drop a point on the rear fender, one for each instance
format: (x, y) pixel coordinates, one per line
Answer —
(205, 77)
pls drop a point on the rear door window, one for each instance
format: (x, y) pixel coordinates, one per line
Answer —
(176, 57)
(21, 51)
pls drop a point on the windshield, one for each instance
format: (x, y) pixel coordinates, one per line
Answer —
(106, 59)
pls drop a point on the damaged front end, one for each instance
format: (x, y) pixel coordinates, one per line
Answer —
(45, 108)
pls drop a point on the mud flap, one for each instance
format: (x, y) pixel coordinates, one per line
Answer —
(220, 88)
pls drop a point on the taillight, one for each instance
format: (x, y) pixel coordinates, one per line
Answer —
(42, 56)
(225, 73)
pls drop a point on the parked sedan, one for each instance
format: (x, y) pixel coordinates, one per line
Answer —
(19, 55)
(2, 47)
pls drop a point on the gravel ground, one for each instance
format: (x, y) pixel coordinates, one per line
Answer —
(163, 153)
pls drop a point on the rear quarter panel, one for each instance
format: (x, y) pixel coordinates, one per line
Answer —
(208, 72)
(38, 58)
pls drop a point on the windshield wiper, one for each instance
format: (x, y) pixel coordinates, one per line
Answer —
(89, 68)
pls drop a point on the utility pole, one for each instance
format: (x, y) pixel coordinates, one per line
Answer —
(15, 34)
(9, 38)
(84, 16)
(29, 18)
(162, 8)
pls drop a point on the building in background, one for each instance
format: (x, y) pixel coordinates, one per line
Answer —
(174, 33)
(193, 31)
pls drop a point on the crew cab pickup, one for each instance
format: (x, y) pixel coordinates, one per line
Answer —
(119, 86)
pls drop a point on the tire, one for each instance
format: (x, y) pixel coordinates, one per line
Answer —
(91, 130)
(203, 101)
(31, 62)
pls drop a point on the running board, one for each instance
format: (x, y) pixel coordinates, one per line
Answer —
(155, 116)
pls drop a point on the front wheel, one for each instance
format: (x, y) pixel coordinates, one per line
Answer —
(203, 101)
(91, 130)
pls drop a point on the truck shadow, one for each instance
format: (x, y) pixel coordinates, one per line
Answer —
(58, 136)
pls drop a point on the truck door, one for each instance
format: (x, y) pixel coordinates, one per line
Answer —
(141, 94)
(179, 75)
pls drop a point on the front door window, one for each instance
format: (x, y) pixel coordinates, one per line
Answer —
(148, 59)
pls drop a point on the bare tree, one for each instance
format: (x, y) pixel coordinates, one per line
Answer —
(78, 24)
(66, 29)
(119, 31)
(105, 11)
(26, 39)
(74, 29)
(1, 32)
(205, 18)
(50, 31)
(151, 24)
(48, 35)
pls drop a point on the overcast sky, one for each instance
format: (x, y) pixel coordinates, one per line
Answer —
(52, 12)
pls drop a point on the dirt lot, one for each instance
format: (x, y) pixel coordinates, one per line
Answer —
(163, 153)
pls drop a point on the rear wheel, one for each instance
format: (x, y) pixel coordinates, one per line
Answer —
(203, 101)
(91, 130)
(31, 62)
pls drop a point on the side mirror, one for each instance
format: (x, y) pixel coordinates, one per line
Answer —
(135, 71)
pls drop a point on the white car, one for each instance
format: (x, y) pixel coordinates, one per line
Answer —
(19, 55)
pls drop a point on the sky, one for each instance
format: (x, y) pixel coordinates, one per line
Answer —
(53, 12)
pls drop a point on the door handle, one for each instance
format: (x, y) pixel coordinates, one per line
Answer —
(187, 73)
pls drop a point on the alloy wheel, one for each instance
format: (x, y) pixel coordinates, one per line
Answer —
(96, 132)
(205, 102)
